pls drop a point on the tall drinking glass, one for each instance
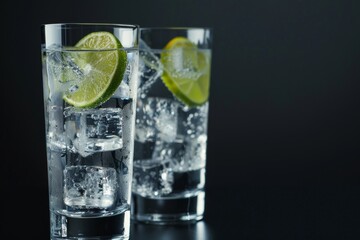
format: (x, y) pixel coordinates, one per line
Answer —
(90, 87)
(171, 125)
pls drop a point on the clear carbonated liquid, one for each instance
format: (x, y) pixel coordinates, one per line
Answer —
(170, 148)
(89, 152)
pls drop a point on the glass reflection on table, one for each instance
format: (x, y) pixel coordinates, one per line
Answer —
(195, 231)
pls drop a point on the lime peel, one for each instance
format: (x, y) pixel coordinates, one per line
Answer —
(103, 70)
(186, 71)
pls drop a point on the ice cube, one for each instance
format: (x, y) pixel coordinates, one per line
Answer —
(150, 67)
(156, 118)
(195, 154)
(62, 68)
(152, 178)
(165, 151)
(123, 91)
(56, 140)
(193, 121)
(94, 130)
(89, 187)
(63, 75)
(184, 154)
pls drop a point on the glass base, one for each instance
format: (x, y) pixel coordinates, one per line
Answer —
(116, 227)
(182, 210)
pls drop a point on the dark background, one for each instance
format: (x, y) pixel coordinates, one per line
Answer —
(283, 147)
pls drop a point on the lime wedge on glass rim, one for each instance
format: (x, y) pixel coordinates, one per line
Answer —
(186, 71)
(103, 62)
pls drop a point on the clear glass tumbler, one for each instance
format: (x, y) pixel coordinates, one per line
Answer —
(171, 125)
(90, 86)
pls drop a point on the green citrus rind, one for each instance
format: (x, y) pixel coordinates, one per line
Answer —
(193, 91)
(106, 69)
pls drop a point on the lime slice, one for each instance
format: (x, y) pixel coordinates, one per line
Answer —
(186, 71)
(103, 70)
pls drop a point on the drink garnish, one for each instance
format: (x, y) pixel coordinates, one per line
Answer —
(104, 62)
(186, 71)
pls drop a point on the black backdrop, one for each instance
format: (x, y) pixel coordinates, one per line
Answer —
(284, 111)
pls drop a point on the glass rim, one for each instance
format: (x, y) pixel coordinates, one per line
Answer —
(180, 28)
(89, 24)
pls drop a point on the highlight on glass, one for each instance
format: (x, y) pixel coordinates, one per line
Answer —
(171, 125)
(90, 86)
